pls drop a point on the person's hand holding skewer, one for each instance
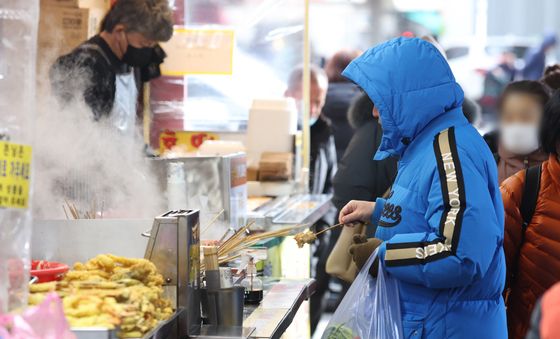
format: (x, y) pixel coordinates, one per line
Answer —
(356, 211)
(308, 237)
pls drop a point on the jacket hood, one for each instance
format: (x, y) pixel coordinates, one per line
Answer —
(360, 111)
(410, 83)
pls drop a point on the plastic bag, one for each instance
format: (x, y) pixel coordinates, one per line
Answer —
(44, 321)
(18, 36)
(370, 309)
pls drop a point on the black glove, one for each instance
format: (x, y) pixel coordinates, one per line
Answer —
(362, 249)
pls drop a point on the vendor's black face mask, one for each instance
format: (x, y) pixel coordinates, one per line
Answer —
(137, 57)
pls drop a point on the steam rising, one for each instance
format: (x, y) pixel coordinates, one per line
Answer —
(91, 165)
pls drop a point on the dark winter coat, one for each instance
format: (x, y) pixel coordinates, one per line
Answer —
(339, 97)
(323, 157)
(359, 177)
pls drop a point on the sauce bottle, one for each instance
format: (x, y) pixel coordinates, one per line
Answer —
(253, 285)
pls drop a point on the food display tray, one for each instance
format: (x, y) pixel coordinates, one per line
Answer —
(165, 330)
(304, 209)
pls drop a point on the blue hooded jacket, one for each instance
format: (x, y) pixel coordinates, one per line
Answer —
(442, 224)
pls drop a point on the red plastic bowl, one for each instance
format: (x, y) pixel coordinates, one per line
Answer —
(46, 271)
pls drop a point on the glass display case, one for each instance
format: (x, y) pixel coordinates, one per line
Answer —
(267, 42)
(18, 45)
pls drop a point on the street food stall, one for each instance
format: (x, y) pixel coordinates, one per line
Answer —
(222, 262)
(172, 257)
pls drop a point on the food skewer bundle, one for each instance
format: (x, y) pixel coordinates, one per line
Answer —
(70, 210)
(110, 291)
(230, 249)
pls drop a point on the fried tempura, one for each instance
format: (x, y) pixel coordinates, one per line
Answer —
(43, 287)
(110, 291)
(86, 275)
(306, 237)
(36, 298)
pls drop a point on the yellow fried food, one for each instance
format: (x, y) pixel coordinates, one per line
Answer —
(306, 237)
(86, 275)
(99, 320)
(110, 291)
(97, 284)
(133, 334)
(43, 287)
(102, 261)
(36, 298)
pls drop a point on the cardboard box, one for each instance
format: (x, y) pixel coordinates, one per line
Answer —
(60, 3)
(63, 26)
(252, 173)
(103, 4)
(96, 15)
(276, 166)
(61, 29)
(97, 11)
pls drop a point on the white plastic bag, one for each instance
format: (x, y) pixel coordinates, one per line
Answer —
(18, 44)
(370, 309)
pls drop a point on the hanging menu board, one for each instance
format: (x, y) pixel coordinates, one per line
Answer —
(15, 171)
(199, 51)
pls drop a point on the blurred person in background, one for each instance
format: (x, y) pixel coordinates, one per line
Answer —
(532, 227)
(340, 94)
(440, 230)
(551, 77)
(535, 60)
(516, 140)
(545, 320)
(322, 169)
(472, 111)
(323, 151)
(101, 71)
(495, 80)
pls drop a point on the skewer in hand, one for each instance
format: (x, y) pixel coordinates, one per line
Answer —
(308, 237)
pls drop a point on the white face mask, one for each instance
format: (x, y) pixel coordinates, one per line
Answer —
(313, 120)
(520, 138)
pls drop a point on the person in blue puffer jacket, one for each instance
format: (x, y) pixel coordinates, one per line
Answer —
(440, 230)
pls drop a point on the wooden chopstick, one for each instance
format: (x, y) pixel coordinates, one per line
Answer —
(329, 228)
(212, 221)
(335, 226)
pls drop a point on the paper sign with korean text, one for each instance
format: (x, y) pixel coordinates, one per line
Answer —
(190, 141)
(15, 173)
(199, 51)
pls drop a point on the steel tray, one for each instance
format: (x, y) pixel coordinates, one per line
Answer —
(165, 330)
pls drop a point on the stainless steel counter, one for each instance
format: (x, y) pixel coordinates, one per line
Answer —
(272, 317)
(276, 312)
(297, 209)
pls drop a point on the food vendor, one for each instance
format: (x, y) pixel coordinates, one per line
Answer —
(106, 70)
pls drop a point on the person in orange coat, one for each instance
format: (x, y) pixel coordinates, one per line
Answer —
(533, 252)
